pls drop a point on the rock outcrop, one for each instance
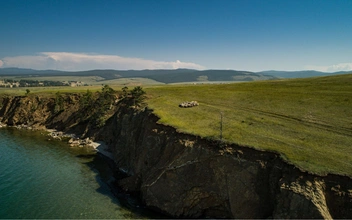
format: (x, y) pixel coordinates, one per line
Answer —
(183, 175)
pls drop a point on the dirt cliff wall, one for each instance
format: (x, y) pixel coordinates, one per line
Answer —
(184, 175)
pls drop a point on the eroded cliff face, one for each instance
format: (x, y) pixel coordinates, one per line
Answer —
(38, 112)
(184, 175)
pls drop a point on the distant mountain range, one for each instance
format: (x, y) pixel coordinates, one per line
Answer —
(171, 76)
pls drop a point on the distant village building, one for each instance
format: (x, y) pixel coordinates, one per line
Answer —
(9, 84)
(33, 83)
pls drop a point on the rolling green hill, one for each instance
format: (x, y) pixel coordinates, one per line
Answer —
(164, 76)
(171, 76)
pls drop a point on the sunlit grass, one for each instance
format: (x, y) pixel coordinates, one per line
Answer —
(308, 121)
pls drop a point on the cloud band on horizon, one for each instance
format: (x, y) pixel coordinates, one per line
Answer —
(332, 68)
(80, 61)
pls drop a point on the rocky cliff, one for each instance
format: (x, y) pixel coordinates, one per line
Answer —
(183, 175)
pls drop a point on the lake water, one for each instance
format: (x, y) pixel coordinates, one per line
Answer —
(48, 179)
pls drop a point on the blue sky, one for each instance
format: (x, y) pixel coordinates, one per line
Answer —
(252, 35)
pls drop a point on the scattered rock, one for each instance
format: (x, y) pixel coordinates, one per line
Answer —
(76, 142)
(188, 104)
(59, 135)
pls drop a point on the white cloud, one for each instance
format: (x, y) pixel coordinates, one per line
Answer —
(332, 68)
(81, 61)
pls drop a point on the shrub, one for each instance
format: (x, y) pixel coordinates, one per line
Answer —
(59, 102)
(86, 99)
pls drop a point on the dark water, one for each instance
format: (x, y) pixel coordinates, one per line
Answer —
(48, 179)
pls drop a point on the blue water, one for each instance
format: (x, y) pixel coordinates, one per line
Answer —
(49, 179)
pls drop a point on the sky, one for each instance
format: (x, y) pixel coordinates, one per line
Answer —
(252, 35)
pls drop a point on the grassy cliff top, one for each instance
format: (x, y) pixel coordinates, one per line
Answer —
(308, 121)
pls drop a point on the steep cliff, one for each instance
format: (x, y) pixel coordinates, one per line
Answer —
(184, 175)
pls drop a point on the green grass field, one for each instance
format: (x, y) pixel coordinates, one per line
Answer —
(90, 80)
(308, 121)
(95, 83)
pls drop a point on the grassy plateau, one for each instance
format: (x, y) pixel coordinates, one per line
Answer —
(307, 121)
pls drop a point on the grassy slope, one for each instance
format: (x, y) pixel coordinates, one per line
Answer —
(307, 120)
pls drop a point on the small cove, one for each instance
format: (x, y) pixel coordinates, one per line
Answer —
(48, 179)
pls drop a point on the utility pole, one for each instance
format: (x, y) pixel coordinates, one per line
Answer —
(221, 117)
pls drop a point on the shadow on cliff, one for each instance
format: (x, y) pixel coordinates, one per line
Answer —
(106, 177)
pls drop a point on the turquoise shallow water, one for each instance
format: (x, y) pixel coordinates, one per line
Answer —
(48, 179)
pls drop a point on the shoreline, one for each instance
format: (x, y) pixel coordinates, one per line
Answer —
(99, 146)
